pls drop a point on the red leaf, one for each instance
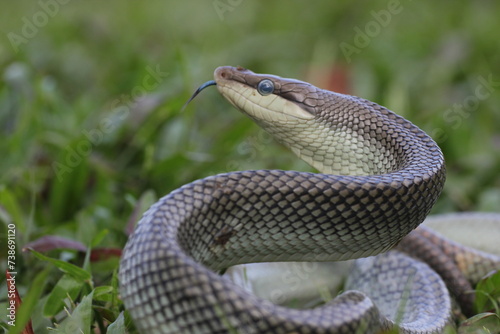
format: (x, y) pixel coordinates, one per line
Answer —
(51, 242)
(100, 254)
(334, 77)
(15, 302)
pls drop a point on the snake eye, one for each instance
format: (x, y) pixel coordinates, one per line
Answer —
(265, 87)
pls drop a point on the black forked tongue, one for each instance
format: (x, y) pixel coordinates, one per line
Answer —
(202, 87)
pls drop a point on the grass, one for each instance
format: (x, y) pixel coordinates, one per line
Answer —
(92, 133)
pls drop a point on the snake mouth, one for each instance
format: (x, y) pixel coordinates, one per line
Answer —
(222, 74)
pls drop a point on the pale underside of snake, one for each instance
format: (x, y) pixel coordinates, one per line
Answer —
(380, 176)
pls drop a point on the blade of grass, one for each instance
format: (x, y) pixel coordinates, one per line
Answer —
(76, 272)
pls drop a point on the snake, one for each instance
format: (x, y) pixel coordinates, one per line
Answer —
(378, 177)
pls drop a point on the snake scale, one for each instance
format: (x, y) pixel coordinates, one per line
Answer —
(380, 176)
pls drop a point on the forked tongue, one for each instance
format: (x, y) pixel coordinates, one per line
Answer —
(202, 87)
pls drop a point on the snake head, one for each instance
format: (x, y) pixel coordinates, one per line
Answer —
(265, 97)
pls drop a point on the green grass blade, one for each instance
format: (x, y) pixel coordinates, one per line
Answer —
(68, 268)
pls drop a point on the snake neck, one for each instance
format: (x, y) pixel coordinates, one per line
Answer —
(353, 136)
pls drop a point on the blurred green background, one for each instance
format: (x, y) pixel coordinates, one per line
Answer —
(90, 98)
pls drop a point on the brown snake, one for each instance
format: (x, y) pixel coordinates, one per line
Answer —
(380, 176)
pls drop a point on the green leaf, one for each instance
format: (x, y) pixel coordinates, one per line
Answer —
(11, 212)
(66, 287)
(480, 323)
(68, 268)
(29, 302)
(488, 293)
(86, 262)
(116, 287)
(80, 320)
(118, 326)
(104, 293)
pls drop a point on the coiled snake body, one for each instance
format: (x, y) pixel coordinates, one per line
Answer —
(380, 177)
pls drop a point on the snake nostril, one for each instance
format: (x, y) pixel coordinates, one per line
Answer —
(223, 75)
